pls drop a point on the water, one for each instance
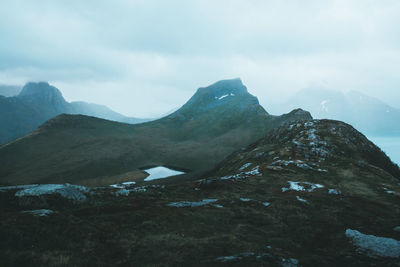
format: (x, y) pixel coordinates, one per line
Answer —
(390, 145)
(160, 173)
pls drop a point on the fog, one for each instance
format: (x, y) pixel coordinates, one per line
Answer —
(144, 58)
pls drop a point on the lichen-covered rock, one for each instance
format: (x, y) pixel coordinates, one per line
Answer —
(68, 191)
(374, 246)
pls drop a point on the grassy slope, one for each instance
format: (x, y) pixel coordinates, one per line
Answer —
(141, 230)
(81, 149)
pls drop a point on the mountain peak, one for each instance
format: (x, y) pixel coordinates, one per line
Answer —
(222, 95)
(230, 86)
(39, 88)
(42, 91)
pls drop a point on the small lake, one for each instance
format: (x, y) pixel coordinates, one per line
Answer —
(390, 145)
(160, 172)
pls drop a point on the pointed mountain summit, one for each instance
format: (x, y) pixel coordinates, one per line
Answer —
(218, 94)
(222, 106)
(222, 96)
(41, 90)
(45, 97)
(216, 121)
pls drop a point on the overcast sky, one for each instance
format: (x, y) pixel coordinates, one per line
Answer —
(143, 58)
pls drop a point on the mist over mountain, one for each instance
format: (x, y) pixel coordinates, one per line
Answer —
(216, 121)
(367, 114)
(39, 102)
(277, 184)
(9, 90)
(219, 171)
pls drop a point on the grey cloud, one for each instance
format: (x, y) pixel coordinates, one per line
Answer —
(146, 57)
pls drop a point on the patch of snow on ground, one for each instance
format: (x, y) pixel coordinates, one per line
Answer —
(254, 172)
(266, 204)
(297, 163)
(301, 199)
(160, 173)
(245, 199)
(139, 189)
(222, 97)
(186, 204)
(129, 183)
(122, 192)
(73, 192)
(117, 186)
(374, 246)
(296, 186)
(41, 212)
(244, 166)
(334, 191)
(309, 124)
(122, 185)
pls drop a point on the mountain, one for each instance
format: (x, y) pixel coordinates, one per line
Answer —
(308, 193)
(101, 111)
(9, 90)
(39, 102)
(216, 121)
(319, 146)
(369, 115)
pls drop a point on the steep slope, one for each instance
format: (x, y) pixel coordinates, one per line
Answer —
(369, 115)
(314, 193)
(216, 121)
(39, 102)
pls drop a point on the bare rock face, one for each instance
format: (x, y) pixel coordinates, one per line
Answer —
(68, 191)
(374, 246)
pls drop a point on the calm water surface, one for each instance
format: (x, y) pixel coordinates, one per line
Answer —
(160, 172)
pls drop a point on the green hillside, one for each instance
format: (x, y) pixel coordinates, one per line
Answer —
(216, 121)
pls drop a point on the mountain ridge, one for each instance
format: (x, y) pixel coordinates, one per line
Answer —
(82, 149)
(38, 102)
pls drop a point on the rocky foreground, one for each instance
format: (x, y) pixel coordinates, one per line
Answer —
(308, 194)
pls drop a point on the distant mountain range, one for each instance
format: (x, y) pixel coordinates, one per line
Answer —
(367, 114)
(262, 190)
(216, 121)
(39, 102)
